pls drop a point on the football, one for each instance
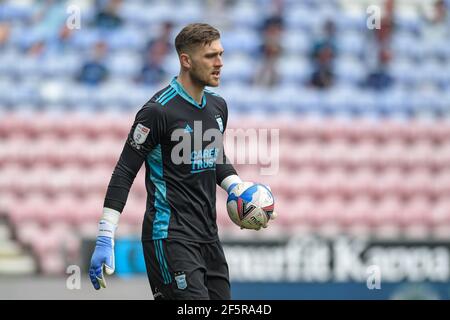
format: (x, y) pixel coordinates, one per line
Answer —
(250, 205)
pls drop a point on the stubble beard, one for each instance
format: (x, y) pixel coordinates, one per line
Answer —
(197, 79)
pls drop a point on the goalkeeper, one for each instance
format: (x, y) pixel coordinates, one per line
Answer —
(183, 255)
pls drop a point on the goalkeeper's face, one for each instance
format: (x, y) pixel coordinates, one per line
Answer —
(206, 64)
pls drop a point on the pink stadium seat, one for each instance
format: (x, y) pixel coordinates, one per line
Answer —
(356, 211)
(279, 183)
(303, 129)
(327, 210)
(390, 181)
(443, 155)
(441, 183)
(285, 210)
(302, 211)
(97, 178)
(223, 220)
(8, 178)
(415, 211)
(359, 130)
(28, 231)
(48, 242)
(334, 129)
(111, 125)
(438, 131)
(90, 209)
(62, 209)
(134, 210)
(386, 211)
(52, 264)
(418, 182)
(331, 182)
(8, 200)
(439, 213)
(138, 187)
(44, 150)
(15, 148)
(43, 124)
(29, 209)
(422, 154)
(303, 182)
(390, 154)
(360, 181)
(303, 154)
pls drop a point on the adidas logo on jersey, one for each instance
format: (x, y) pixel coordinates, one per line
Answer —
(188, 129)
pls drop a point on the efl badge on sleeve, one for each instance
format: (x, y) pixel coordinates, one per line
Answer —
(140, 134)
(220, 123)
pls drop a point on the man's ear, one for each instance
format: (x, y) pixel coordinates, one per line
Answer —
(185, 61)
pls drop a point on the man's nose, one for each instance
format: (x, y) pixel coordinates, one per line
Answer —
(219, 62)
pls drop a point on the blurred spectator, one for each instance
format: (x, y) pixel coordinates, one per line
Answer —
(5, 31)
(437, 22)
(48, 17)
(323, 75)
(380, 79)
(94, 70)
(323, 53)
(61, 41)
(266, 72)
(378, 52)
(108, 16)
(37, 49)
(153, 72)
(163, 40)
(327, 40)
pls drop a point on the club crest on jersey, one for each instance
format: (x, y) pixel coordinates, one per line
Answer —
(181, 281)
(220, 123)
(140, 134)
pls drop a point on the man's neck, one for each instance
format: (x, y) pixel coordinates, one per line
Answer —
(195, 90)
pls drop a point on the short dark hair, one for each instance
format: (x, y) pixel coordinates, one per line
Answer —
(195, 34)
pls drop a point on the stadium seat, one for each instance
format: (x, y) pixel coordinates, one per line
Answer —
(386, 211)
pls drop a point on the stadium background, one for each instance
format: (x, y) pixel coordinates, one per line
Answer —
(364, 144)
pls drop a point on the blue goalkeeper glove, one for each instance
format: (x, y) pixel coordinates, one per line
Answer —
(103, 257)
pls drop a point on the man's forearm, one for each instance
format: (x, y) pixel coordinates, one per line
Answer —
(122, 179)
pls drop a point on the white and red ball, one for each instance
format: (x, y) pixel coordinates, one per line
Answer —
(250, 205)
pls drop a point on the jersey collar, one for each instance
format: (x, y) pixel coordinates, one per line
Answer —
(180, 90)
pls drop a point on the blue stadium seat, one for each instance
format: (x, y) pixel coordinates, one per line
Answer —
(16, 11)
(408, 45)
(8, 57)
(125, 64)
(127, 38)
(349, 69)
(395, 102)
(188, 12)
(337, 101)
(244, 40)
(427, 102)
(351, 42)
(246, 14)
(293, 69)
(61, 65)
(86, 39)
(405, 71)
(238, 68)
(296, 42)
(78, 94)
